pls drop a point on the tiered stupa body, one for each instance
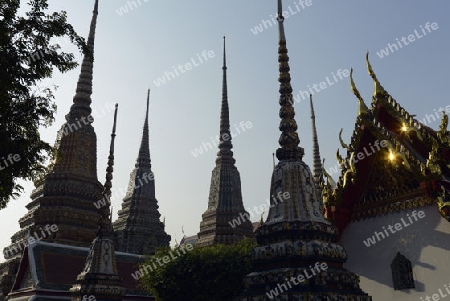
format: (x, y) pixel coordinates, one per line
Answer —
(138, 228)
(99, 277)
(296, 237)
(66, 196)
(225, 206)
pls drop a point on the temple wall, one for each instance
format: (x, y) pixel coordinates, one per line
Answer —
(425, 242)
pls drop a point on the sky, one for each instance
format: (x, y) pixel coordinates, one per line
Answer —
(140, 43)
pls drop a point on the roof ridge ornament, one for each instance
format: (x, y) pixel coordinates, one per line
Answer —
(362, 106)
(341, 141)
(378, 88)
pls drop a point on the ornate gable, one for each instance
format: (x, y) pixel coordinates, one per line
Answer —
(393, 162)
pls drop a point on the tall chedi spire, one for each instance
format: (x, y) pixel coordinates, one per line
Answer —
(82, 99)
(66, 195)
(295, 253)
(138, 228)
(99, 277)
(225, 205)
(317, 163)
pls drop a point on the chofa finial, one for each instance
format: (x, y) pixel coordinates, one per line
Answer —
(362, 106)
(378, 89)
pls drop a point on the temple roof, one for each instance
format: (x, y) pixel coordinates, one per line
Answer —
(189, 240)
(49, 270)
(393, 162)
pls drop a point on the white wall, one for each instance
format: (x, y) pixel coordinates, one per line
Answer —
(426, 243)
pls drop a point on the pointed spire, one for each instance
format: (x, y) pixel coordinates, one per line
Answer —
(105, 220)
(144, 150)
(316, 153)
(224, 55)
(280, 18)
(100, 269)
(289, 139)
(82, 99)
(109, 169)
(225, 134)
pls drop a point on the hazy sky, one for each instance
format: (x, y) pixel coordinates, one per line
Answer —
(134, 49)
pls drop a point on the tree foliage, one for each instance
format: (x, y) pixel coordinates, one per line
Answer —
(203, 274)
(28, 55)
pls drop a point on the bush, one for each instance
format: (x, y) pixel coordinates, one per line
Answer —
(203, 274)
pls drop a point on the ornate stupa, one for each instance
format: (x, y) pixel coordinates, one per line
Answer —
(99, 277)
(65, 197)
(296, 257)
(225, 221)
(75, 251)
(138, 229)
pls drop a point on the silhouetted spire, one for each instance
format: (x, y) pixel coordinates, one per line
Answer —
(82, 99)
(105, 224)
(289, 139)
(317, 163)
(225, 135)
(144, 150)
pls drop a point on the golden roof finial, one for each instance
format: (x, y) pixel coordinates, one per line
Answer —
(343, 144)
(378, 88)
(362, 106)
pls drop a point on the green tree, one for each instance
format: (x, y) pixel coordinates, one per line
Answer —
(28, 54)
(203, 274)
